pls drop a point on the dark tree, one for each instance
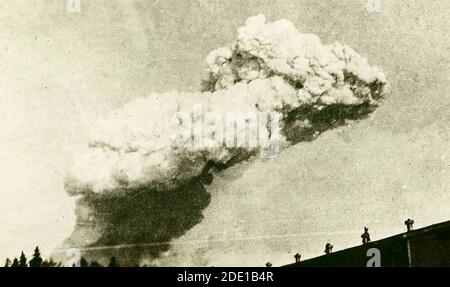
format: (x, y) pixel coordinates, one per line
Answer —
(7, 262)
(50, 263)
(95, 264)
(15, 263)
(22, 260)
(84, 262)
(113, 262)
(36, 261)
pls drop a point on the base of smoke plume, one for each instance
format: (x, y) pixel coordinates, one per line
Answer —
(143, 216)
(147, 219)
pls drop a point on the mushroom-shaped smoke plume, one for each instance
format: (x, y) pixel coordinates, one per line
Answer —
(137, 186)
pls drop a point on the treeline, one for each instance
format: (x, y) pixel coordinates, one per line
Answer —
(37, 261)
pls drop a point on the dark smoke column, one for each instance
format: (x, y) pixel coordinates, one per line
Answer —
(137, 191)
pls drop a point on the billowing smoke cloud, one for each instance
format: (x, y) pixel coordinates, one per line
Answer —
(137, 187)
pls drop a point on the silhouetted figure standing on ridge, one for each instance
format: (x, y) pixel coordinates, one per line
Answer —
(365, 236)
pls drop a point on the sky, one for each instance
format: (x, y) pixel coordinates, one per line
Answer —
(60, 71)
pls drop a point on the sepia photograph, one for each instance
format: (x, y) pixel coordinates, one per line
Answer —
(207, 133)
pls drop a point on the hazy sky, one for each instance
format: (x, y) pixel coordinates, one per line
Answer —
(60, 71)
